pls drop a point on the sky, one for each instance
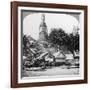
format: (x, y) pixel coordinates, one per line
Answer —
(32, 22)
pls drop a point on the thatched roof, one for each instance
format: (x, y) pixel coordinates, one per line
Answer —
(69, 56)
(59, 55)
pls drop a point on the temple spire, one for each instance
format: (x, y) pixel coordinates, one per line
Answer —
(43, 34)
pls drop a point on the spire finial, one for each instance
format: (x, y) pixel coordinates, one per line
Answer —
(43, 17)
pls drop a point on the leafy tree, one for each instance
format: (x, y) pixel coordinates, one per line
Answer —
(73, 42)
(25, 42)
(58, 36)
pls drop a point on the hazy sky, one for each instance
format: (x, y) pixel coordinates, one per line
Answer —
(31, 23)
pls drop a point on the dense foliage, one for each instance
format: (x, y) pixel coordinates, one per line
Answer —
(59, 37)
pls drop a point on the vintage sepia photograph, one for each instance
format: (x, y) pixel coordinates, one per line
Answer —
(49, 44)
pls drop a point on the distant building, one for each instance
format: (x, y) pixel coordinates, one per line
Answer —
(76, 54)
(76, 30)
(69, 58)
(59, 56)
